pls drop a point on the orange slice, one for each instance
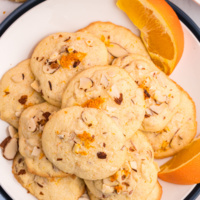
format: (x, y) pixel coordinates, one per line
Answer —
(160, 28)
(184, 167)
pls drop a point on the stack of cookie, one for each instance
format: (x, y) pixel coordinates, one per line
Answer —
(92, 109)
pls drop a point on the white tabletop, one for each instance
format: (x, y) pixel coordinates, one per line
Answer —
(191, 8)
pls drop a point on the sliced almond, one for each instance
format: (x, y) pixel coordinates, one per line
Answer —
(148, 113)
(139, 66)
(157, 109)
(31, 125)
(12, 131)
(17, 78)
(133, 165)
(106, 181)
(36, 86)
(36, 151)
(104, 81)
(160, 97)
(48, 70)
(114, 92)
(9, 147)
(89, 42)
(85, 118)
(107, 189)
(54, 56)
(115, 119)
(116, 50)
(4, 142)
(85, 83)
(88, 119)
(162, 81)
(61, 136)
(63, 49)
(76, 148)
(84, 197)
(18, 113)
(111, 109)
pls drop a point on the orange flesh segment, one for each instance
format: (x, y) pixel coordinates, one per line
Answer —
(185, 155)
(160, 28)
(184, 167)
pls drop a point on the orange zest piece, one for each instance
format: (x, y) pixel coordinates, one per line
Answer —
(114, 177)
(94, 103)
(83, 153)
(6, 91)
(106, 42)
(160, 28)
(184, 167)
(125, 172)
(87, 139)
(67, 60)
(118, 188)
(41, 156)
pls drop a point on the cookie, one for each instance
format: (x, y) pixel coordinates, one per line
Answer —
(162, 96)
(119, 40)
(85, 142)
(16, 93)
(58, 57)
(179, 131)
(31, 125)
(112, 90)
(135, 179)
(155, 194)
(70, 187)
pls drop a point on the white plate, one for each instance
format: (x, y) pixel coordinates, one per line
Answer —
(18, 42)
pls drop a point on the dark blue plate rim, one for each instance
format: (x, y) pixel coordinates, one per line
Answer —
(31, 3)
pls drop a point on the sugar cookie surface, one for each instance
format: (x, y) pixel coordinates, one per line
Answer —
(111, 90)
(162, 96)
(179, 131)
(135, 179)
(119, 40)
(85, 142)
(31, 127)
(16, 93)
(58, 57)
(70, 187)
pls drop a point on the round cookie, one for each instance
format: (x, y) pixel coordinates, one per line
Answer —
(179, 131)
(85, 142)
(155, 194)
(58, 57)
(119, 40)
(135, 179)
(70, 187)
(112, 90)
(31, 125)
(16, 93)
(162, 96)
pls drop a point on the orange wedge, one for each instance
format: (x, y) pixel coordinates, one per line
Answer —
(161, 31)
(184, 167)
